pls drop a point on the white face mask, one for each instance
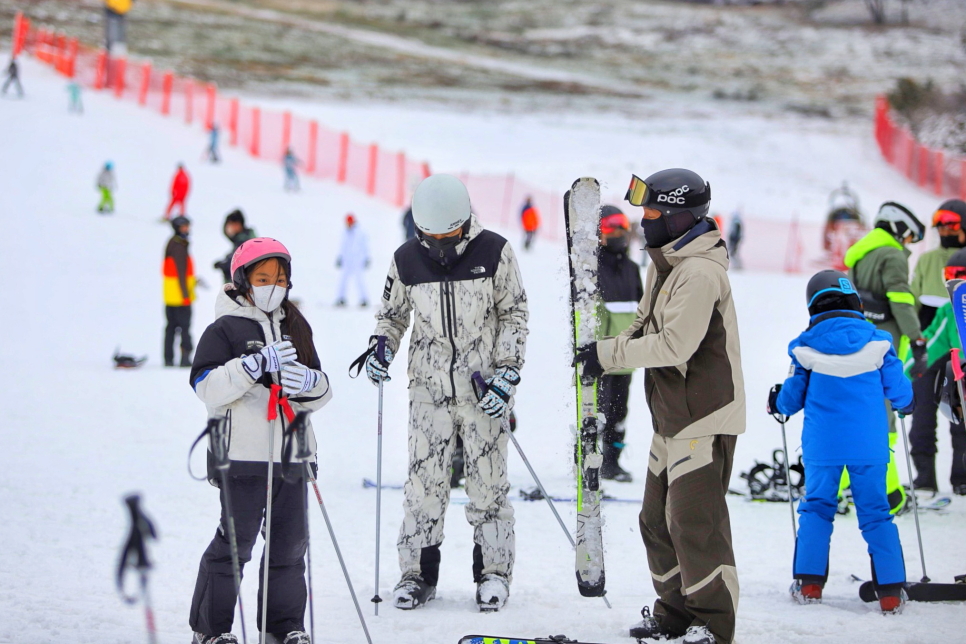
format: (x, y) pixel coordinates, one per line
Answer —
(268, 298)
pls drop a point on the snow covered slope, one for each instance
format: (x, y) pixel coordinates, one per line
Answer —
(76, 435)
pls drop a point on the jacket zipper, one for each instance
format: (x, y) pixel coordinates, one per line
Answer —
(450, 328)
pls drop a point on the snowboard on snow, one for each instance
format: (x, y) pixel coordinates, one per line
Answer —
(488, 639)
(921, 592)
(582, 218)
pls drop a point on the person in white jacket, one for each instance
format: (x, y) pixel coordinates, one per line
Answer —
(353, 260)
(257, 366)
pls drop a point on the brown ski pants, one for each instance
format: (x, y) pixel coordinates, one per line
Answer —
(687, 533)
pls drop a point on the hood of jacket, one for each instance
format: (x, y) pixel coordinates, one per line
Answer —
(704, 240)
(838, 335)
(874, 239)
(240, 307)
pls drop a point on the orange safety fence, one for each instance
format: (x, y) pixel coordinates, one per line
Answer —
(265, 134)
(941, 173)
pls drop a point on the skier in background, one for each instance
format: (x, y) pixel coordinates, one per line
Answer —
(735, 235)
(353, 259)
(74, 95)
(179, 292)
(234, 373)
(13, 78)
(530, 219)
(211, 154)
(107, 184)
(237, 233)
(686, 336)
(409, 228)
(842, 357)
(619, 279)
(928, 286)
(290, 164)
(879, 268)
(457, 272)
(179, 191)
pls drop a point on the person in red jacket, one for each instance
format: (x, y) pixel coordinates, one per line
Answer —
(179, 191)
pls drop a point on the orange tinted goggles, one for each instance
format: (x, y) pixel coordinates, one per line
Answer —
(955, 272)
(636, 192)
(948, 219)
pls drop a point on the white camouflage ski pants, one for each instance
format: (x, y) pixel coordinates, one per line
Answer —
(432, 437)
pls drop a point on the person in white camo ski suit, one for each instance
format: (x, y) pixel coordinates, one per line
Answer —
(463, 287)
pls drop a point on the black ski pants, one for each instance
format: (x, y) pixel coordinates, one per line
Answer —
(923, 432)
(612, 395)
(179, 321)
(213, 604)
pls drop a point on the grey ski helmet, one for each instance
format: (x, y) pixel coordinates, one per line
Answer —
(441, 204)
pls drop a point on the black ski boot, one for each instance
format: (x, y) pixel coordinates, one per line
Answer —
(650, 628)
(698, 635)
(925, 472)
(611, 447)
(293, 637)
(224, 638)
(412, 592)
(492, 592)
(960, 489)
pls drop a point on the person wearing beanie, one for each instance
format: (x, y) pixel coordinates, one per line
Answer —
(179, 292)
(879, 268)
(237, 233)
(842, 367)
(941, 337)
(619, 279)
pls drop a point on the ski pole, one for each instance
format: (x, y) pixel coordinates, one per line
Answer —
(299, 426)
(788, 480)
(481, 388)
(308, 563)
(376, 599)
(268, 533)
(135, 555)
(912, 493)
(218, 436)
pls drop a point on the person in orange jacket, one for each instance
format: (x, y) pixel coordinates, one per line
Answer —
(179, 191)
(179, 292)
(530, 219)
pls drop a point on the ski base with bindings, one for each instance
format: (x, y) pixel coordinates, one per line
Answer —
(921, 592)
(582, 223)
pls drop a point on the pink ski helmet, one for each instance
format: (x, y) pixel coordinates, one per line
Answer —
(254, 251)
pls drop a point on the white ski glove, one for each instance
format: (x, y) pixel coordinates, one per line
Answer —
(270, 359)
(495, 403)
(297, 379)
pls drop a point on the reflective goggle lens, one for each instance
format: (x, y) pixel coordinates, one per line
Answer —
(948, 219)
(636, 192)
(955, 272)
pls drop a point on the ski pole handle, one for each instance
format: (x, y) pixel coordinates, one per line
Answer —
(299, 427)
(957, 367)
(381, 348)
(479, 385)
(218, 441)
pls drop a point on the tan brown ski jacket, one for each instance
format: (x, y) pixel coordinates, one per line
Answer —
(686, 336)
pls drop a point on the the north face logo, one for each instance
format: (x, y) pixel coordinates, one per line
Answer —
(255, 345)
(478, 270)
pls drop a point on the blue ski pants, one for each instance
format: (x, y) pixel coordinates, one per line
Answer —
(817, 511)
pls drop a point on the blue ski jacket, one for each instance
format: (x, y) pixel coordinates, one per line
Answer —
(842, 369)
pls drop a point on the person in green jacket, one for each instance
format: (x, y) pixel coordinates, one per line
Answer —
(879, 268)
(929, 288)
(621, 291)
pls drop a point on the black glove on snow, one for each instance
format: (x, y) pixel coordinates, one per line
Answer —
(920, 358)
(587, 355)
(772, 407)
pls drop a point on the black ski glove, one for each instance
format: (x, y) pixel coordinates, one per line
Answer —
(587, 355)
(772, 407)
(920, 359)
(908, 409)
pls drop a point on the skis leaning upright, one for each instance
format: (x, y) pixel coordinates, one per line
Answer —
(582, 215)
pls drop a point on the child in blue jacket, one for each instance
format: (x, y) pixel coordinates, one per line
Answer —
(842, 368)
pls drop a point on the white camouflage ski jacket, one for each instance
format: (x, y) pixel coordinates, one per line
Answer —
(466, 318)
(226, 388)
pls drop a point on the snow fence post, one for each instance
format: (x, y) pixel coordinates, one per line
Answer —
(373, 163)
(400, 179)
(189, 94)
(101, 70)
(71, 58)
(923, 153)
(256, 127)
(286, 130)
(145, 84)
(120, 67)
(167, 84)
(312, 158)
(233, 122)
(343, 157)
(211, 91)
(939, 162)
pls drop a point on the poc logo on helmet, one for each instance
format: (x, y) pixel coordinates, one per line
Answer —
(676, 197)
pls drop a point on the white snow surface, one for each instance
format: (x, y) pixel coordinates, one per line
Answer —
(77, 435)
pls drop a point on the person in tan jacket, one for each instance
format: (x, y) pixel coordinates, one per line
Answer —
(686, 338)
